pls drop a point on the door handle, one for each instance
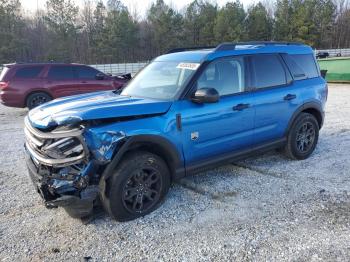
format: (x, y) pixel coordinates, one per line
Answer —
(289, 97)
(83, 82)
(240, 107)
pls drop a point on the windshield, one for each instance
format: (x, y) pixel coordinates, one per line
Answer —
(160, 80)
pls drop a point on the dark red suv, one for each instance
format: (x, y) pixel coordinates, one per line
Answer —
(29, 85)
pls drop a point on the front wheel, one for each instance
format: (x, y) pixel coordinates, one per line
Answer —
(302, 137)
(137, 186)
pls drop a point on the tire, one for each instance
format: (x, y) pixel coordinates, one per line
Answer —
(302, 137)
(137, 186)
(36, 99)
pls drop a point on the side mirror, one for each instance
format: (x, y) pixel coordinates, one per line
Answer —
(100, 76)
(206, 95)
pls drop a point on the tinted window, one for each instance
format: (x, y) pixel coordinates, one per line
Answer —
(28, 72)
(227, 76)
(268, 71)
(86, 72)
(61, 72)
(297, 72)
(307, 64)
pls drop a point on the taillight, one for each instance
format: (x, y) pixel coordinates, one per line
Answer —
(3, 85)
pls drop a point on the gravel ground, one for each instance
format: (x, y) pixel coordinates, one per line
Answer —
(263, 208)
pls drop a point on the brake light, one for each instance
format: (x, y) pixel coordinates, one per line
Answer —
(3, 85)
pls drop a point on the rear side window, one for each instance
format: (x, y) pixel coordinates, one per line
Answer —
(28, 72)
(307, 64)
(61, 72)
(268, 70)
(86, 72)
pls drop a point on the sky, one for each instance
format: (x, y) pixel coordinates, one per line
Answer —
(139, 5)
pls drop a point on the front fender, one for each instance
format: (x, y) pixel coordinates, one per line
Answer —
(173, 158)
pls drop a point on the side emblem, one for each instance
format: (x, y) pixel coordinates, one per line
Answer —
(194, 135)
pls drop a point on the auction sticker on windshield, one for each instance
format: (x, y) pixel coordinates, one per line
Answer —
(190, 66)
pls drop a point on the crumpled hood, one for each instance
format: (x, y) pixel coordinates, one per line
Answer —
(99, 105)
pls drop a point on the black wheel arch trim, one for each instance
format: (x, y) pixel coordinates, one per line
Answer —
(173, 159)
(308, 105)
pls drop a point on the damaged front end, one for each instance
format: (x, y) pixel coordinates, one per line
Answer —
(65, 164)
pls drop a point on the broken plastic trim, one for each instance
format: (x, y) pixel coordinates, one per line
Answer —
(35, 139)
(103, 145)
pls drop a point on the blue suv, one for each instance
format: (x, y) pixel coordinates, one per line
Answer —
(188, 110)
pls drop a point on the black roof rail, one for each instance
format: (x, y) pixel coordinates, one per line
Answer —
(232, 46)
(34, 62)
(183, 49)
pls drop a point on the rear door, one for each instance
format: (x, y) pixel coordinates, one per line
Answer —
(61, 80)
(88, 82)
(276, 97)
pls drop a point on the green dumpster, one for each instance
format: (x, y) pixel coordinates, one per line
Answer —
(338, 68)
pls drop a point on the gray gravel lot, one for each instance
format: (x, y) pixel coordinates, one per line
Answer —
(263, 208)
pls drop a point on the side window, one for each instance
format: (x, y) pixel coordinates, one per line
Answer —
(29, 72)
(61, 72)
(297, 72)
(86, 72)
(226, 75)
(307, 64)
(268, 70)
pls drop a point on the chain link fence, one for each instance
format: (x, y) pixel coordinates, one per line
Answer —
(114, 69)
(336, 52)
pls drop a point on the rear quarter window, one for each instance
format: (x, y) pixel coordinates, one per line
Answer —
(307, 64)
(28, 72)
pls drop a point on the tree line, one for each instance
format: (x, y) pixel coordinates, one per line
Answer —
(110, 33)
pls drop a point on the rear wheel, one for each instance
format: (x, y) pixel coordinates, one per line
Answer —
(137, 187)
(37, 99)
(302, 137)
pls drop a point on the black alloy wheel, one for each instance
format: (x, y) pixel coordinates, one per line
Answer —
(142, 190)
(305, 137)
(302, 137)
(37, 99)
(136, 187)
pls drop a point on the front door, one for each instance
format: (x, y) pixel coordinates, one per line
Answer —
(216, 129)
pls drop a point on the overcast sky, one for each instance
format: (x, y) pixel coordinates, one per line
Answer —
(140, 5)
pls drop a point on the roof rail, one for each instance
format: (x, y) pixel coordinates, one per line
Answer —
(232, 46)
(183, 49)
(34, 62)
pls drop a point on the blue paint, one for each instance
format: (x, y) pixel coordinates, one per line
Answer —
(99, 105)
(220, 129)
(102, 143)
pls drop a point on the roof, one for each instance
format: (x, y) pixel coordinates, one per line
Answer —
(39, 63)
(230, 49)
